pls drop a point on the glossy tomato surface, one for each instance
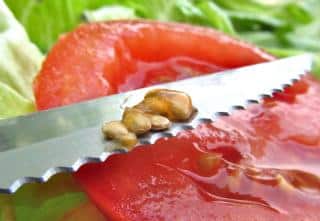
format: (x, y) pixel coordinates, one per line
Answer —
(259, 164)
(106, 58)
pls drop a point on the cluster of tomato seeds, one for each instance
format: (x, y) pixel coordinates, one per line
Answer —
(158, 108)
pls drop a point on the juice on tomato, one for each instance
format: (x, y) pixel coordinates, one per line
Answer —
(261, 163)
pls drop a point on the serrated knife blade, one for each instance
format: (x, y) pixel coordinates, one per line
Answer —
(35, 147)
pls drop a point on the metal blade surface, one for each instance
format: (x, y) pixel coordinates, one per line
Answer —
(37, 146)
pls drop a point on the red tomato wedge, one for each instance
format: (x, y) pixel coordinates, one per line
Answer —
(259, 164)
(106, 58)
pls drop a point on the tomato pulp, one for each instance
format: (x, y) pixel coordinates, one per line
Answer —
(258, 164)
(264, 166)
(105, 58)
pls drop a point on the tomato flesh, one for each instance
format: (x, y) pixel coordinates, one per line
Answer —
(105, 58)
(269, 168)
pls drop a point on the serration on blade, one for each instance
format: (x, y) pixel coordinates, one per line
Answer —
(35, 147)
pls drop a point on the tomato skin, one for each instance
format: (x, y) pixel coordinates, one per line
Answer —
(98, 59)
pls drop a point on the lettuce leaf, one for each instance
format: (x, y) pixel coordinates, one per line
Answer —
(43, 202)
(12, 103)
(292, 27)
(109, 13)
(20, 60)
(53, 18)
(52, 209)
(280, 25)
(217, 17)
(46, 20)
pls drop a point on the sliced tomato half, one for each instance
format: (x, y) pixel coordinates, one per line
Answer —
(106, 58)
(259, 164)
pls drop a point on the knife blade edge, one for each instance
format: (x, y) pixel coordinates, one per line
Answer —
(152, 137)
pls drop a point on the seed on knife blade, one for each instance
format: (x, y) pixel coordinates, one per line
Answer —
(136, 121)
(159, 122)
(128, 140)
(114, 129)
(118, 131)
(175, 105)
(153, 113)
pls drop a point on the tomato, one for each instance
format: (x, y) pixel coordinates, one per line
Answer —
(267, 169)
(104, 58)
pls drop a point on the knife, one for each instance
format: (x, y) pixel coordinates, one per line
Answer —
(35, 147)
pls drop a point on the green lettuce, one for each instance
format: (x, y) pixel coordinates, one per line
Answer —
(12, 103)
(42, 202)
(109, 13)
(51, 209)
(52, 18)
(19, 62)
(276, 26)
(46, 20)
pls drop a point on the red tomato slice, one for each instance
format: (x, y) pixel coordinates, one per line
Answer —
(268, 168)
(105, 58)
